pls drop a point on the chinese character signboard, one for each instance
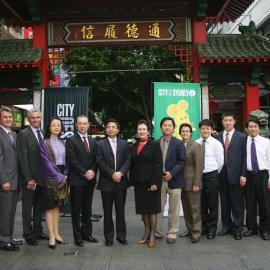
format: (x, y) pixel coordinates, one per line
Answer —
(181, 101)
(127, 32)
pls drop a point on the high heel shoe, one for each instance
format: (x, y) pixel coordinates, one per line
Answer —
(61, 242)
(143, 241)
(151, 244)
(52, 246)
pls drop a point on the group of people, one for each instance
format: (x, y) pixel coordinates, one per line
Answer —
(231, 165)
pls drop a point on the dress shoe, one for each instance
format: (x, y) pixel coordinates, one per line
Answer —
(194, 240)
(31, 241)
(17, 242)
(211, 236)
(151, 244)
(90, 239)
(10, 247)
(61, 242)
(224, 232)
(238, 236)
(43, 236)
(79, 243)
(122, 241)
(248, 233)
(185, 234)
(265, 236)
(170, 240)
(108, 243)
(52, 246)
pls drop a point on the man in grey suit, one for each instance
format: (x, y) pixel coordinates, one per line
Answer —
(29, 156)
(8, 180)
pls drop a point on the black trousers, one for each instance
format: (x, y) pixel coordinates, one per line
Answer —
(209, 201)
(32, 200)
(232, 204)
(8, 202)
(258, 194)
(81, 204)
(118, 197)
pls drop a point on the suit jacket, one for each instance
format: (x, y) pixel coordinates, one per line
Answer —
(8, 160)
(175, 162)
(236, 157)
(194, 165)
(28, 155)
(146, 167)
(80, 161)
(106, 164)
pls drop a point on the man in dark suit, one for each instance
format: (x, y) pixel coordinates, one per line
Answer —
(174, 156)
(232, 173)
(113, 163)
(80, 151)
(29, 156)
(8, 180)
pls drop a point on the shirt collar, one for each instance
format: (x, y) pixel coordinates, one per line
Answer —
(5, 129)
(255, 138)
(83, 135)
(34, 129)
(112, 140)
(230, 132)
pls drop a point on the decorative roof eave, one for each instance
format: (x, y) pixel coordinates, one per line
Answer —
(26, 65)
(229, 60)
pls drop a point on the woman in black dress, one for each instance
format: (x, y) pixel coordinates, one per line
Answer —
(146, 177)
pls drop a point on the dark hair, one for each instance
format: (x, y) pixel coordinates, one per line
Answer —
(47, 129)
(167, 118)
(254, 120)
(82, 116)
(228, 114)
(185, 125)
(143, 122)
(206, 122)
(112, 120)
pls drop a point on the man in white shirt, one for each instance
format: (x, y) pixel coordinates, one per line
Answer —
(213, 163)
(258, 181)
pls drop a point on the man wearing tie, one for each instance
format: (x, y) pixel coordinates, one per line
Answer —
(258, 181)
(213, 163)
(113, 162)
(8, 180)
(80, 151)
(231, 175)
(174, 156)
(29, 156)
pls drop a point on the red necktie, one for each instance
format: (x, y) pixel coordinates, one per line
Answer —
(226, 145)
(85, 145)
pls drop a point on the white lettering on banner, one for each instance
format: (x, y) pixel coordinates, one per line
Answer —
(176, 93)
(66, 113)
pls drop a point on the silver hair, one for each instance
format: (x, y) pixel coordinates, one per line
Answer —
(5, 109)
(32, 111)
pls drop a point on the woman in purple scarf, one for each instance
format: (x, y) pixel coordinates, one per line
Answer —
(52, 173)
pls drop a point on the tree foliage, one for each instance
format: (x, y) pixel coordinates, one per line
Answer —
(123, 95)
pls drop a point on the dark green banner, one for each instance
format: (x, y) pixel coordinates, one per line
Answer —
(181, 101)
(66, 103)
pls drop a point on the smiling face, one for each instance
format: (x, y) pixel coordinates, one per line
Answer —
(253, 129)
(34, 119)
(206, 131)
(185, 134)
(55, 127)
(167, 128)
(142, 132)
(6, 119)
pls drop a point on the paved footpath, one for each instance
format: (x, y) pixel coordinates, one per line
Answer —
(223, 253)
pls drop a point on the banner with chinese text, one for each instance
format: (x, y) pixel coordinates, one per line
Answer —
(181, 101)
(122, 32)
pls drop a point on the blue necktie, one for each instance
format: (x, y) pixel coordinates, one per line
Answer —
(254, 160)
(39, 136)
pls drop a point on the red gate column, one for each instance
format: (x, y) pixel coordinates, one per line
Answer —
(40, 41)
(198, 36)
(252, 101)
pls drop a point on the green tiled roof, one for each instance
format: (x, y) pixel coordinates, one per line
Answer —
(234, 46)
(17, 51)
